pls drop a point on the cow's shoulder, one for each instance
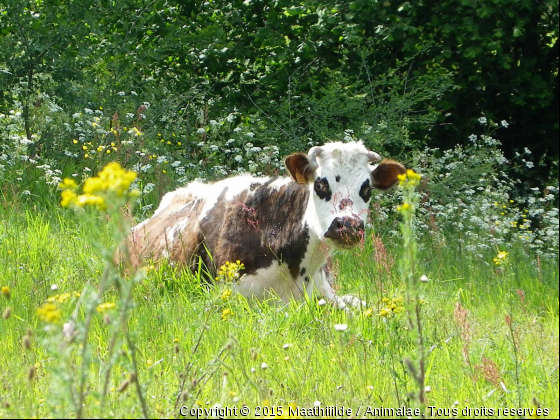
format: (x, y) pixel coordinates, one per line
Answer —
(257, 221)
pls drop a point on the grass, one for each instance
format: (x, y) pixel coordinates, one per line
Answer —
(490, 335)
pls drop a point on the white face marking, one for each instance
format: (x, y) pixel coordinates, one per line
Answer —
(345, 167)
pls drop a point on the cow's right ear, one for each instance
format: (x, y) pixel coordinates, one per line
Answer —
(298, 165)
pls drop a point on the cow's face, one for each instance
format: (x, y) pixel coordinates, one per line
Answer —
(341, 180)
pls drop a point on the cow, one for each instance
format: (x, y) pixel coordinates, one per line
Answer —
(283, 229)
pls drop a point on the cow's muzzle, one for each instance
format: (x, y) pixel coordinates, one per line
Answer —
(346, 231)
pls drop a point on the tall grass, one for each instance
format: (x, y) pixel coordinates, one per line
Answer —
(489, 333)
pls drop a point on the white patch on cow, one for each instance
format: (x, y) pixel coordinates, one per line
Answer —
(235, 186)
(273, 280)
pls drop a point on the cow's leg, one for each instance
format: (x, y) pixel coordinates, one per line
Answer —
(323, 285)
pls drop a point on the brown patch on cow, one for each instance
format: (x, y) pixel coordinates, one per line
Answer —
(258, 227)
(161, 234)
(386, 173)
(298, 165)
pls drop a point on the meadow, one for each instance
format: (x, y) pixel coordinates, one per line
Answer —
(80, 341)
(458, 268)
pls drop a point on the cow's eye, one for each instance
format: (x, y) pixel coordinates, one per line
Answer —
(365, 191)
(322, 189)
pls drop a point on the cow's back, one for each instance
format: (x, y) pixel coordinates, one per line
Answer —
(255, 220)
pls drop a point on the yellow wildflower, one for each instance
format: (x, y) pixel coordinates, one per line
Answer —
(385, 312)
(105, 307)
(91, 200)
(225, 294)
(62, 298)
(230, 271)
(411, 178)
(68, 197)
(392, 307)
(6, 292)
(50, 313)
(227, 314)
(501, 258)
(68, 184)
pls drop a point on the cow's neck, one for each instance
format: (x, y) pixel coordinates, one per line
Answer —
(318, 252)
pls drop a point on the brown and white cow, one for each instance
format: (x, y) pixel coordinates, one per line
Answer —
(282, 229)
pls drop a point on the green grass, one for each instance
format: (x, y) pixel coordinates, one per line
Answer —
(502, 352)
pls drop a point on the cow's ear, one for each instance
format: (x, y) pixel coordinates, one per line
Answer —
(298, 165)
(385, 175)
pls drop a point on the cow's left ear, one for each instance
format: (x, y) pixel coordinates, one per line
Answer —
(298, 165)
(385, 175)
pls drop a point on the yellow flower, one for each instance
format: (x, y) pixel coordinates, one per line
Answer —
(413, 175)
(392, 307)
(6, 292)
(68, 197)
(68, 184)
(368, 313)
(62, 298)
(91, 200)
(50, 313)
(501, 258)
(385, 312)
(111, 178)
(411, 178)
(230, 271)
(105, 307)
(227, 314)
(225, 294)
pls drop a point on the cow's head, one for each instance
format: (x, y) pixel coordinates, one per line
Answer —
(341, 180)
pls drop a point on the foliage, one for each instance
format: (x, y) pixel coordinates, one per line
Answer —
(401, 74)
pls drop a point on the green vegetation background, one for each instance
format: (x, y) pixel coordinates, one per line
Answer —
(464, 92)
